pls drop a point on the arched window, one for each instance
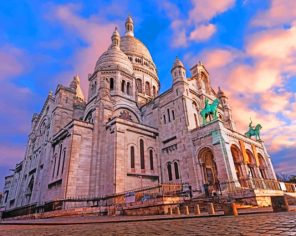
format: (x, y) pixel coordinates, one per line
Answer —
(128, 88)
(111, 83)
(132, 157)
(194, 105)
(173, 114)
(164, 119)
(151, 159)
(169, 117)
(176, 170)
(154, 91)
(170, 171)
(142, 156)
(54, 165)
(59, 162)
(139, 86)
(195, 120)
(122, 85)
(147, 89)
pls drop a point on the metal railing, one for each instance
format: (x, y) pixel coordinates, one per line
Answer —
(136, 196)
(254, 183)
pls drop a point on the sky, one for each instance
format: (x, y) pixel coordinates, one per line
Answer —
(248, 47)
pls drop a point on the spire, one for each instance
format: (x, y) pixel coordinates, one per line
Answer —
(75, 85)
(129, 26)
(220, 93)
(115, 38)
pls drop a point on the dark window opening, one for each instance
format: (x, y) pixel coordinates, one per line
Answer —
(142, 154)
(111, 83)
(64, 157)
(132, 157)
(170, 172)
(128, 88)
(122, 86)
(151, 159)
(169, 117)
(176, 170)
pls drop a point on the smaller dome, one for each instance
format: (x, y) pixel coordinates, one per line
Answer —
(113, 58)
(177, 63)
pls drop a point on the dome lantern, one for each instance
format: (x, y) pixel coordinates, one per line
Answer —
(115, 38)
(129, 26)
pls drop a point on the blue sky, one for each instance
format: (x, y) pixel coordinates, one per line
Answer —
(247, 46)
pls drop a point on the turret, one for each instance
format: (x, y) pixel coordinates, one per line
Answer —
(75, 85)
(129, 27)
(226, 108)
(178, 71)
(223, 98)
(115, 38)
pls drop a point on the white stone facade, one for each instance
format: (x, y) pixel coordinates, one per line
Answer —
(126, 135)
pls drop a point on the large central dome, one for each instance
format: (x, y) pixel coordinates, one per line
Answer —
(133, 46)
(136, 51)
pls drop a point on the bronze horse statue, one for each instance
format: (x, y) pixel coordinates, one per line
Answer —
(209, 109)
(254, 131)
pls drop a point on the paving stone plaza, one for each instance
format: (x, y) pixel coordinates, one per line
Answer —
(248, 224)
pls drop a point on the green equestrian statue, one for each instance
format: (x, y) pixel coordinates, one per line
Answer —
(254, 131)
(209, 109)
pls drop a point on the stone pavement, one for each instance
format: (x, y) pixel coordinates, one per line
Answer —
(250, 224)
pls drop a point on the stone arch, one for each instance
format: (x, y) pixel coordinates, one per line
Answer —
(251, 164)
(238, 162)
(169, 171)
(262, 166)
(131, 115)
(209, 168)
(147, 88)
(89, 116)
(139, 85)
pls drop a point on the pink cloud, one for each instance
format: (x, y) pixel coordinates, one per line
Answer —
(202, 32)
(93, 30)
(198, 19)
(279, 12)
(12, 64)
(203, 11)
(277, 44)
(254, 79)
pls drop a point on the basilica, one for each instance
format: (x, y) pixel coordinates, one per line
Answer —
(125, 134)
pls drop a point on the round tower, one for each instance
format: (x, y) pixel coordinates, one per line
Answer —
(178, 71)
